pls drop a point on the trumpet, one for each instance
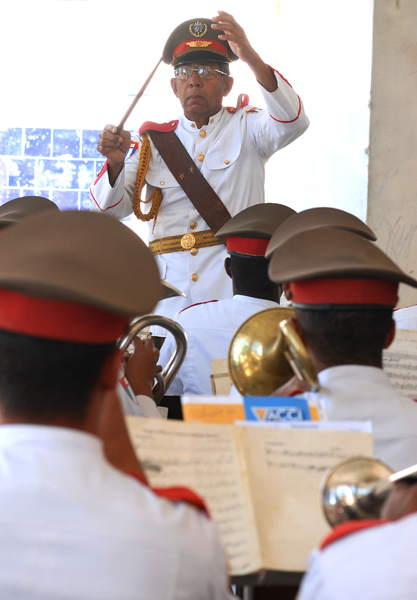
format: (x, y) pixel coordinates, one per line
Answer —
(266, 352)
(164, 379)
(357, 488)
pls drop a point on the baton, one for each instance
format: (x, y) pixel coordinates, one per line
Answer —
(136, 99)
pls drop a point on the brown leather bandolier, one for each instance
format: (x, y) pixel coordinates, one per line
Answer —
(194, 184)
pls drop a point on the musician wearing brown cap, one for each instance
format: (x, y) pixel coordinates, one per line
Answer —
(344, 289)
(78, 519)
(211, 325)
(211, 168)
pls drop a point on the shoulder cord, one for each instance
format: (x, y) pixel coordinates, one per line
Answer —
(156, 196)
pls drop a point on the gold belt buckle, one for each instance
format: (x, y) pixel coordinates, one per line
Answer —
(187, 241)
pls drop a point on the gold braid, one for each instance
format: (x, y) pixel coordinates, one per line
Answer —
(156, 197)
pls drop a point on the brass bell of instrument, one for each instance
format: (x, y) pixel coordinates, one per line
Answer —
(263, 355)
(357, 488)
(164, 379)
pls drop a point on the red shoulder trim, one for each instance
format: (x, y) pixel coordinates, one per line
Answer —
(349, 527)
(164, 127)
(196, 304)
(101, 173)
(242, 101)
(175, 494)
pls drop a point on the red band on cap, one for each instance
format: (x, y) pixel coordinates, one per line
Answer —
(58, 319)
(243, 245)
(345, 291)
(214, 46)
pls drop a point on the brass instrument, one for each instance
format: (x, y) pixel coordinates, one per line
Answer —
(266, 352)
(164, 379)
(357, 488)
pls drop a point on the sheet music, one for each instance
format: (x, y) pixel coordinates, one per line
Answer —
(285, 469)
(204, 458)
(400, 362)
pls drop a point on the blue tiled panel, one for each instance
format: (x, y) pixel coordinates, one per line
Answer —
(65, 200)
(52, 173)
(11, 141)
(36, 192)
(66, 142)
(3, 170)
(37, 142)
(80, 173)
(84, 200)
(9, 194)
(89, 143)
(99, 164)
(21, 172)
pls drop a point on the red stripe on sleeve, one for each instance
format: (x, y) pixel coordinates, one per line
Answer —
(102, 171)
(104, 209)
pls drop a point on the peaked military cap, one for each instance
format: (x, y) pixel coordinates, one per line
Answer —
(313, 218)
(74, 276)
(329, 266)
(19, 209)
(195, 40)
(249, 231)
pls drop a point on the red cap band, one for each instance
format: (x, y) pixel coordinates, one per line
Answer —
(58, 319)
(345, 291)
(209, 45)
(244, 245)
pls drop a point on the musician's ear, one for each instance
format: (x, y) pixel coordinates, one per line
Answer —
(228, 84)
(390, 335)
(174, 86)
(227, 266)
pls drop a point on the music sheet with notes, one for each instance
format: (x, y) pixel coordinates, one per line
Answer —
(400, 362)
(261, 484)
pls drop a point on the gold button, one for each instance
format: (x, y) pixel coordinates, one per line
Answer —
(194, 251)
(211, 120)
(192, 124)
(226, 162)
(161, 182)
(203, 133)
(194, 277)
(200, 157)
(193, 224)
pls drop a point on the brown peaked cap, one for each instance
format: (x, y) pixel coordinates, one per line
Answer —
(318, 217)
(81, 257)
(331, 253)
(258, 221)
(19, 209)
(195, 40)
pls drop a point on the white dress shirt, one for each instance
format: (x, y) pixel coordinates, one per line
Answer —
(360, 393)
(231, 152)
(210, 327)
(73, 527)
(378, 563)
(406, 318)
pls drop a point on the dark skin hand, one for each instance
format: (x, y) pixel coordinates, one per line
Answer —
(402, 501)
(114, 147)
(112, 430)
(239, 43)
(141, 367)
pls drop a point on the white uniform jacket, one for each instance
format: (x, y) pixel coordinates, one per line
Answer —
(72, 526)
(210, 327)
(377, 563)
(359, 393)
(231, 152)
(406, 318)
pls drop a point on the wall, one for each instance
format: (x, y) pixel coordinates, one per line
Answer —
(393, 139)
(325, 51)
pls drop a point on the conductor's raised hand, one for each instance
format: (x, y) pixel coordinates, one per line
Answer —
(113, 145)
(239, 43)
(235, 35)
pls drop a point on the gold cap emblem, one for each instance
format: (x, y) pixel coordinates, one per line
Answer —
(198, 29)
